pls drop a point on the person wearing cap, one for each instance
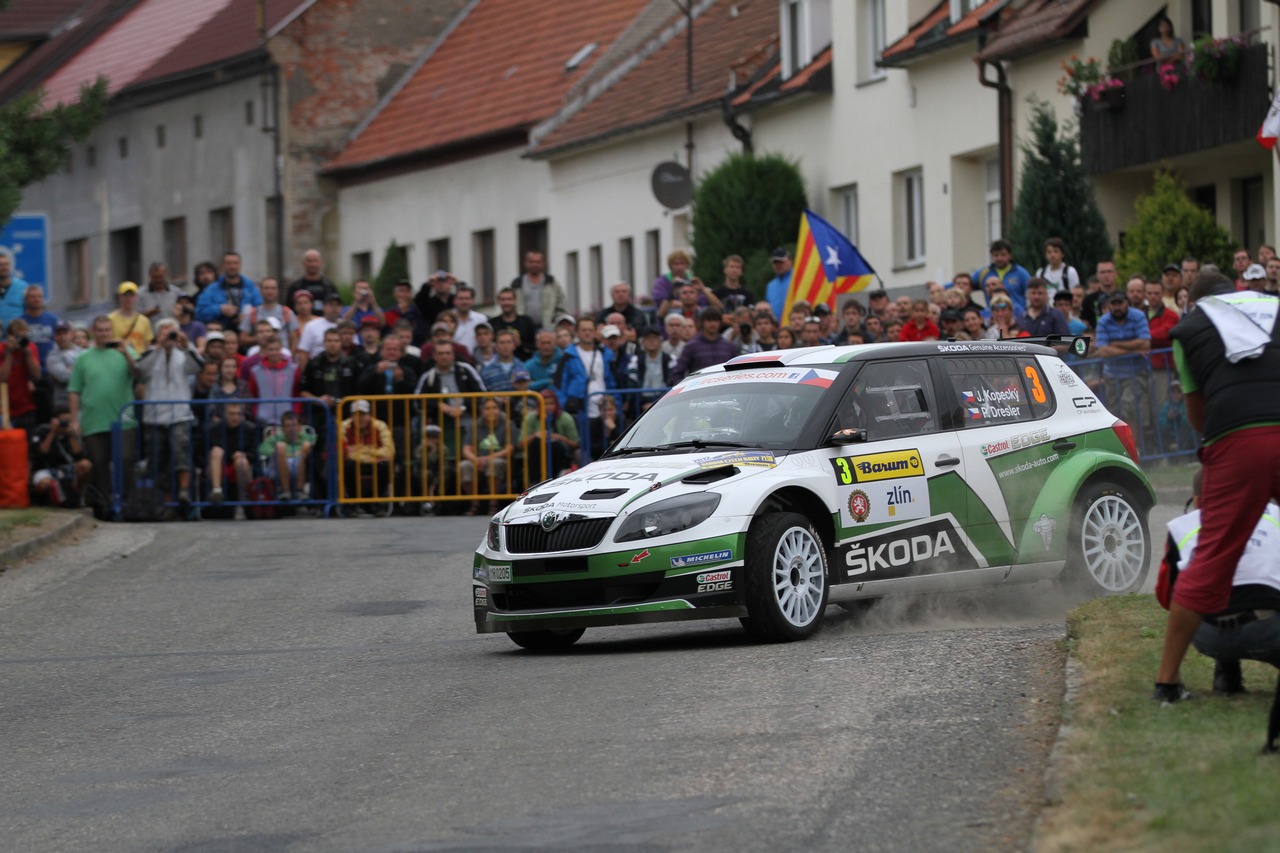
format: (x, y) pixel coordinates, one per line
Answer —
(1254, 278)
(1230, 375)
(311, 338)
(435, 295)
(523, 325)
(61, 360)
(538, 294)
(312, 281)
(370, 342)
(442, 336)
(1122, 338)
(367, 451)
(1170, 283)
(1013, 276)
(13, 290)
(776, 290)
(127, 324)
(286, 324)
(225, 299)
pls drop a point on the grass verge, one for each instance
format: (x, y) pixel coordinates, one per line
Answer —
(1171, 476)
(1140, 776)
(14, 522)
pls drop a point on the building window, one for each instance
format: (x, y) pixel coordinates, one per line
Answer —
(960, 8)
(123, 144)
(909, 197)
(847, 211)
(653, 265)
(77, 259)
(627, 261)
(571, 276)
(595, 269)
(438, 255)
(175, 248)
(160, 140)
(222, 232)
(483, 273)
(805, 31)
(198, 124)
(991, 199)
(871, 44)
(361, 266)
(91, 156)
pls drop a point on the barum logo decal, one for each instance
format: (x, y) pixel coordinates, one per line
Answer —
(701, 559)
(879, 466)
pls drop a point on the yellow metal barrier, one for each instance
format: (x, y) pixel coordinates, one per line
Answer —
(438, 447)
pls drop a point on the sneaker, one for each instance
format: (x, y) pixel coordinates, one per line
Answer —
(215, 497)
(1169, 693)
(184, 502)
(428, 507)
(285, 497)
(1228, 680)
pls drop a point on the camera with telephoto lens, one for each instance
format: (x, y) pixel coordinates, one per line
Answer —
(24, 342)
(172, 336)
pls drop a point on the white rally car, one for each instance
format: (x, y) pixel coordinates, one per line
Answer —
(776, 483)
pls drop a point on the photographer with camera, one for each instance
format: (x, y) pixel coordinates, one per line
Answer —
(184, 311)
(20, 367)
(166, 370)
(59, 468)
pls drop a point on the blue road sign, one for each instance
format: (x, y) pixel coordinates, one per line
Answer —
(27, 237)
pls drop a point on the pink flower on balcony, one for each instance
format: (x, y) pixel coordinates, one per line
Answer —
(1169, 78)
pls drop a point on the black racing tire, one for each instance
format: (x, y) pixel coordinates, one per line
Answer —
(785, 579)
(1109, 549)
(546, 641)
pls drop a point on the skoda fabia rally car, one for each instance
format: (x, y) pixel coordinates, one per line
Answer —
(776, 483)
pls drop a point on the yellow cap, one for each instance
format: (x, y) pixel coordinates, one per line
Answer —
(127, 287)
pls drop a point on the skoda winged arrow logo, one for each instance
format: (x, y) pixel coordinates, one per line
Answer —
(549, 520)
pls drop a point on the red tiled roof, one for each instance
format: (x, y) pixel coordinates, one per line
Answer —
(501, 70)
(656, 89)
(158, 38)
(1024, 29)
(935, 30)
(58, 38)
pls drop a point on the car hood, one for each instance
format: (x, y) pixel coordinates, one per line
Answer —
(608, 486)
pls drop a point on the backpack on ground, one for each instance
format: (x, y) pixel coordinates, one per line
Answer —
(262, 491)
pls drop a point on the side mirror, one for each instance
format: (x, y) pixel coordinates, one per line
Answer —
(848, 436)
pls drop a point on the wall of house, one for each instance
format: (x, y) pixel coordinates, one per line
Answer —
(229, 166)
(336, 62)
(495, 191)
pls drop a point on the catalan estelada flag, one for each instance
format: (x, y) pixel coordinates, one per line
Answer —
(827, 265)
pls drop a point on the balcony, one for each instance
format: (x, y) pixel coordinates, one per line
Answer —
(1151, 124)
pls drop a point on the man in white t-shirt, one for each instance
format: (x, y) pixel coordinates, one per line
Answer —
(1056, 272)
(311, 341)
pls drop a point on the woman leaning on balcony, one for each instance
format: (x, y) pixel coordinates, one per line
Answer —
(1167, 47)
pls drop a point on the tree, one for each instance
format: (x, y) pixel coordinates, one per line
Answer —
(35, 142)
(1055, 198)
(1169, 226)
(746, 206)
(395, 267)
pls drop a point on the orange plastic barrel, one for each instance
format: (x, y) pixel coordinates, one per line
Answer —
(14, 472)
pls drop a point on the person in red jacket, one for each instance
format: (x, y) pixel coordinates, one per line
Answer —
(920, 327)
(1160, 319)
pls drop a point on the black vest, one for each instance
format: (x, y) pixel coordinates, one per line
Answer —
(1235, 395)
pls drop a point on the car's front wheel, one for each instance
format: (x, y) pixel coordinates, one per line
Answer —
(1109, 551)
(546, 641)
(785, 578)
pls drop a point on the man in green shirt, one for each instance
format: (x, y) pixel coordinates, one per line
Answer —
(101, 384)
(288, 449)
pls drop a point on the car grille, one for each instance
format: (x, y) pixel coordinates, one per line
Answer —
(570, 536)
(597, 592)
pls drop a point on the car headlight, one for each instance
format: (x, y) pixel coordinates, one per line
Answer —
(492, 536)
(669, 516)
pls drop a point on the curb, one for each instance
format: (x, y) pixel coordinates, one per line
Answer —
(70, 524)
(1056, 772)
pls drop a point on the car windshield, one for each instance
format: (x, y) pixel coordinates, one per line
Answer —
(754, 408)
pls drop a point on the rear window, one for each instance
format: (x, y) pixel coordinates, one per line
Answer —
(993, 390)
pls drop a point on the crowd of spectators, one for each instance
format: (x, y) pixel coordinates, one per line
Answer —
(212, 361)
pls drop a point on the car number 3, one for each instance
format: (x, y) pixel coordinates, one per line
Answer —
(1037, 390)
(845, 473)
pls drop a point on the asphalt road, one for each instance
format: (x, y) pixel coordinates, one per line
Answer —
(317, 685)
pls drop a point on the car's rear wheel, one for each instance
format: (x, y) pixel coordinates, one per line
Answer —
(546, 641)
(785, 578)
(1109, 551)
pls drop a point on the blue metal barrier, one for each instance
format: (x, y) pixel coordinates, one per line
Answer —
(1146, 401)
(157, 466)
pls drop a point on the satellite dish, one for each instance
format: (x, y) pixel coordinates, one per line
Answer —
(672, 186)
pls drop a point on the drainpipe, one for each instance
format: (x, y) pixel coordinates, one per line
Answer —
(271, 125)
(1004, 122)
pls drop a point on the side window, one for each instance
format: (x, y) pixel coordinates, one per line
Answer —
(997, 390)
(891, 399)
